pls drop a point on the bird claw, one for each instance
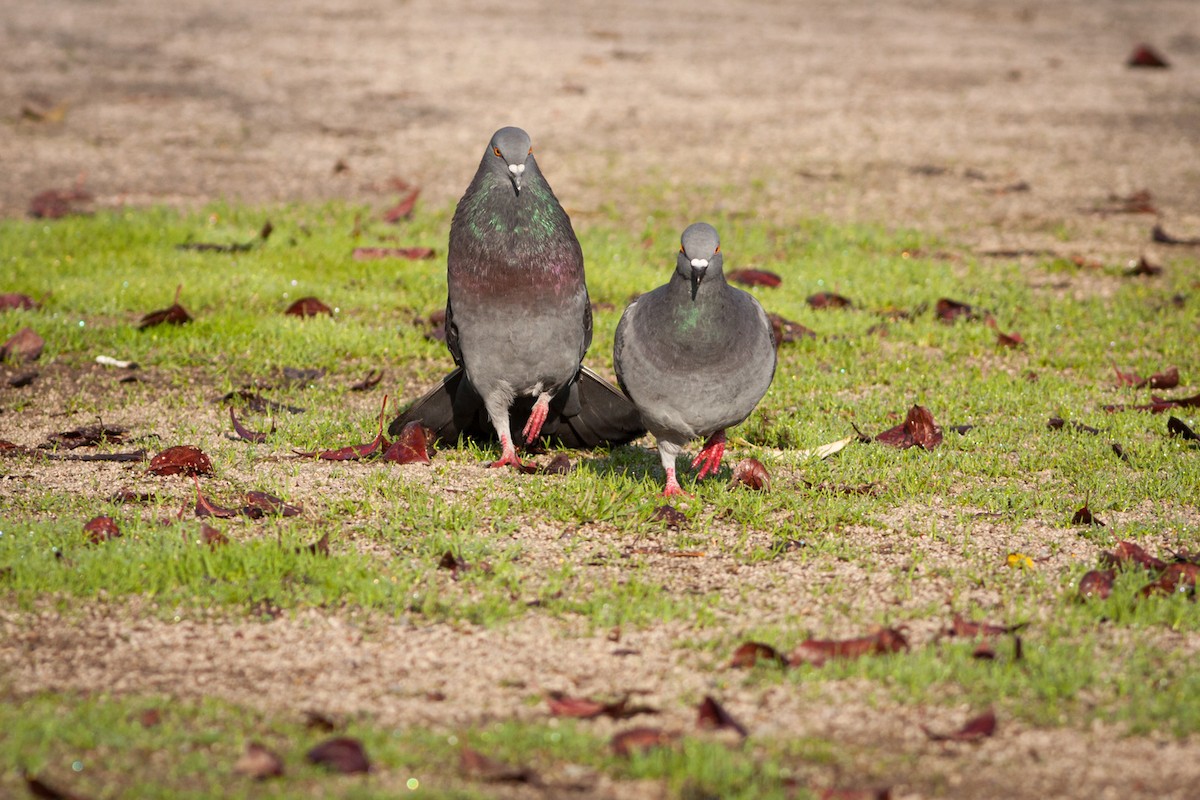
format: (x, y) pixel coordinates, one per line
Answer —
(508, 458)
(673, 489)
(537, 417)
(709, 458)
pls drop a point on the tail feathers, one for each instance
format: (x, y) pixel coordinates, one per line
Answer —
(605, 416)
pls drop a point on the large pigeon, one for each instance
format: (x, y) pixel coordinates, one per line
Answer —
(518, 319)
(695, 355)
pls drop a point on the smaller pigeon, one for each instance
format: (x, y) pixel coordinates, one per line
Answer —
(695, 356)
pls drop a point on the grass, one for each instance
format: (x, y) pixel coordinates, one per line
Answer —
(584, 547)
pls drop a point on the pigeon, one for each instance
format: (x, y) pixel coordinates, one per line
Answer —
(518, 319)
(695, 356)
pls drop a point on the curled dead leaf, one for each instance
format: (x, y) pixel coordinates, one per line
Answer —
(670, 516)
(341, 754)
(749, 654)
(173, 314)
(409, 253)
(244, 433)
(711, 714)
(404, 208)
(918, 430)
(751, 474)
(308, 307)
(476, 765)
(1084, 516)
(1098, 583)
(1176, 578)
(1177, 427)
(411, 446)
(370, 382)
(817, 651)
(559, 465)
(101, 529)
(828, 300)
(13, 300)
(258, 762)
(183, 459)
(640, 740)
(1146, 57)
(24, 345)
(1127, 552)
(754, 277)
(973, 730)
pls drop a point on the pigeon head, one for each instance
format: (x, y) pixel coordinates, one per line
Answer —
(507, 153)
(699, 251)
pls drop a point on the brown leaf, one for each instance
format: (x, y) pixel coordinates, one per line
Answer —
(818, 651)
(1167, 379)
(87, 436)
(1131, 553)
(974, 730)
(318, 548)
(206, 508)
(670, 516)
(236, 247)
(58, 203)
(751, 474)
(1159, 235)
(828, 300)
(750, 653)
(124, 495)
(559, 465)
(21, 381)
(454, 563)
(270, 504)
(712, 714)
(575, 707)
(245, 433)
(319, 721)
(209, 536)
(1097, 583)
(24, 345)
(918, 430)
(1058, 423)
(101, 529)
(354, 451)
(476, 765)
(410, 253)
(754, 277)
(785, 330)
(370, 382)
(640, 740)
(411, 446)
(1084, 516)
(150, 718)
(1177, 427)
(402, 209)
(11, 300)
(181, 460)
(308, 307)
(965, 627)
(41, 789)
(1175, 578)
(1009, 339)
(1178, 402)
(1120, 452)
(855, 794)
(258, 763)
(950, 311)
(1146, 57)
(340, 754)
(1144, 269)
(1127, 378)
(1138, 202)
(258, 403)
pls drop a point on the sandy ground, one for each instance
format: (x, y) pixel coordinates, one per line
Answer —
(1002, 126)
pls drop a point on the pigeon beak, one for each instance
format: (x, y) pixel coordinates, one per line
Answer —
(516, 171)
(699, 267)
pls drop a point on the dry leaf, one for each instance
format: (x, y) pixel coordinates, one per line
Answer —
(918, 430)
(818, 651)
(754, 277)
(181, 460)
(341, 754)
(974, 730)
(1097, 583)
(101, 529)
(750, 653)
(308, 307)
(24, 345)
(258, 763)
(712, 714)
(751, 474)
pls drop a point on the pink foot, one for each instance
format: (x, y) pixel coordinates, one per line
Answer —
(537, 417)
(709, 458)
(673, 489)
(508, 457)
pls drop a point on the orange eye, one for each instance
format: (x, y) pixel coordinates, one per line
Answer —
(530, 152)
(496, 150)
(681, 249)
(718, 249)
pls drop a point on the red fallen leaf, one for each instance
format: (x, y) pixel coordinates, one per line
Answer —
(640, 740)
(209, 536)
(45, 791)
(670, 516)
(124, 495)
(712, 714)
(855, 794)
(575, 707)
(1145, 56)
(87, 436)
(1130, 552)
(918, 430)
(828, 300)
(258, 763)
(308, 307)
(1058, 423)
(1167, 379)
(11, 300)
(411, 446)
(58, 203)
(318, 548)
(785, 330)
(101, 529)
(245, 433)
(476, 765)
(1175, 578)
(410, 253)
(751, 474)
(340, 754)
(1138, 202)
(1154, 407)
(1009, 339)
(354, 451)
(1159, 235)
(236, 247)
(256, 402)
(1121, 454)
(754, 277)
(1084, 516)
(150, 718)
(270, 504)
(319, 721)
(1178, 402)
(949, 311)
(1177, 427)
(750, 653)
(818, 651)
(1127, 378)
(174, 314)
(1144, 268)
(964, 627)
(206, 508)
(21, 381)
(183, 459)
(24, 345)
(370, 382)
(984, 651)
(402, 209)
(974, 730)
(559, 465)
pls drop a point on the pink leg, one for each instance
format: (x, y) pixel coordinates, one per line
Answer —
(508, 456)
(709, 458)
(673, 489)
(536, 418)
